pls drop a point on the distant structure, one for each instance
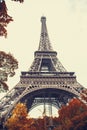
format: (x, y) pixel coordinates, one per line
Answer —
(47, 81)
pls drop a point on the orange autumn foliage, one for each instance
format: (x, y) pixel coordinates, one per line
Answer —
(84, 95)
(19, 119)
(71, 117)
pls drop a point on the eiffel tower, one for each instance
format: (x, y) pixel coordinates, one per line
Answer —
(47, 81)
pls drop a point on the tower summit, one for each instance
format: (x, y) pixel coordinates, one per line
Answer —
(44, 44)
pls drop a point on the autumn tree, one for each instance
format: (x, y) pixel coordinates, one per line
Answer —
(5, 19)
(8, 64)
(84, 95)
(19, 119)
(72, 116)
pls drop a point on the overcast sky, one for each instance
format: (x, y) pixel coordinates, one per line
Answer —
(67, 28)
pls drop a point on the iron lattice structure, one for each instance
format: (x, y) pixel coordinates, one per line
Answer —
(46, 81)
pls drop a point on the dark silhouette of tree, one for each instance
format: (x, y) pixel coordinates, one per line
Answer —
(4, 17)
(8, 64)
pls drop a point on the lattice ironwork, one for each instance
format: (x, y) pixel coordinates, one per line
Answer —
(44, 44)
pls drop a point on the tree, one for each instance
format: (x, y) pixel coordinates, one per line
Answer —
(73, 116)
(7, 66)
(84, 95)
(19, 120)
(4, 17)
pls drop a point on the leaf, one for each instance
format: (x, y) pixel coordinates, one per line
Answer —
(4, 19)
